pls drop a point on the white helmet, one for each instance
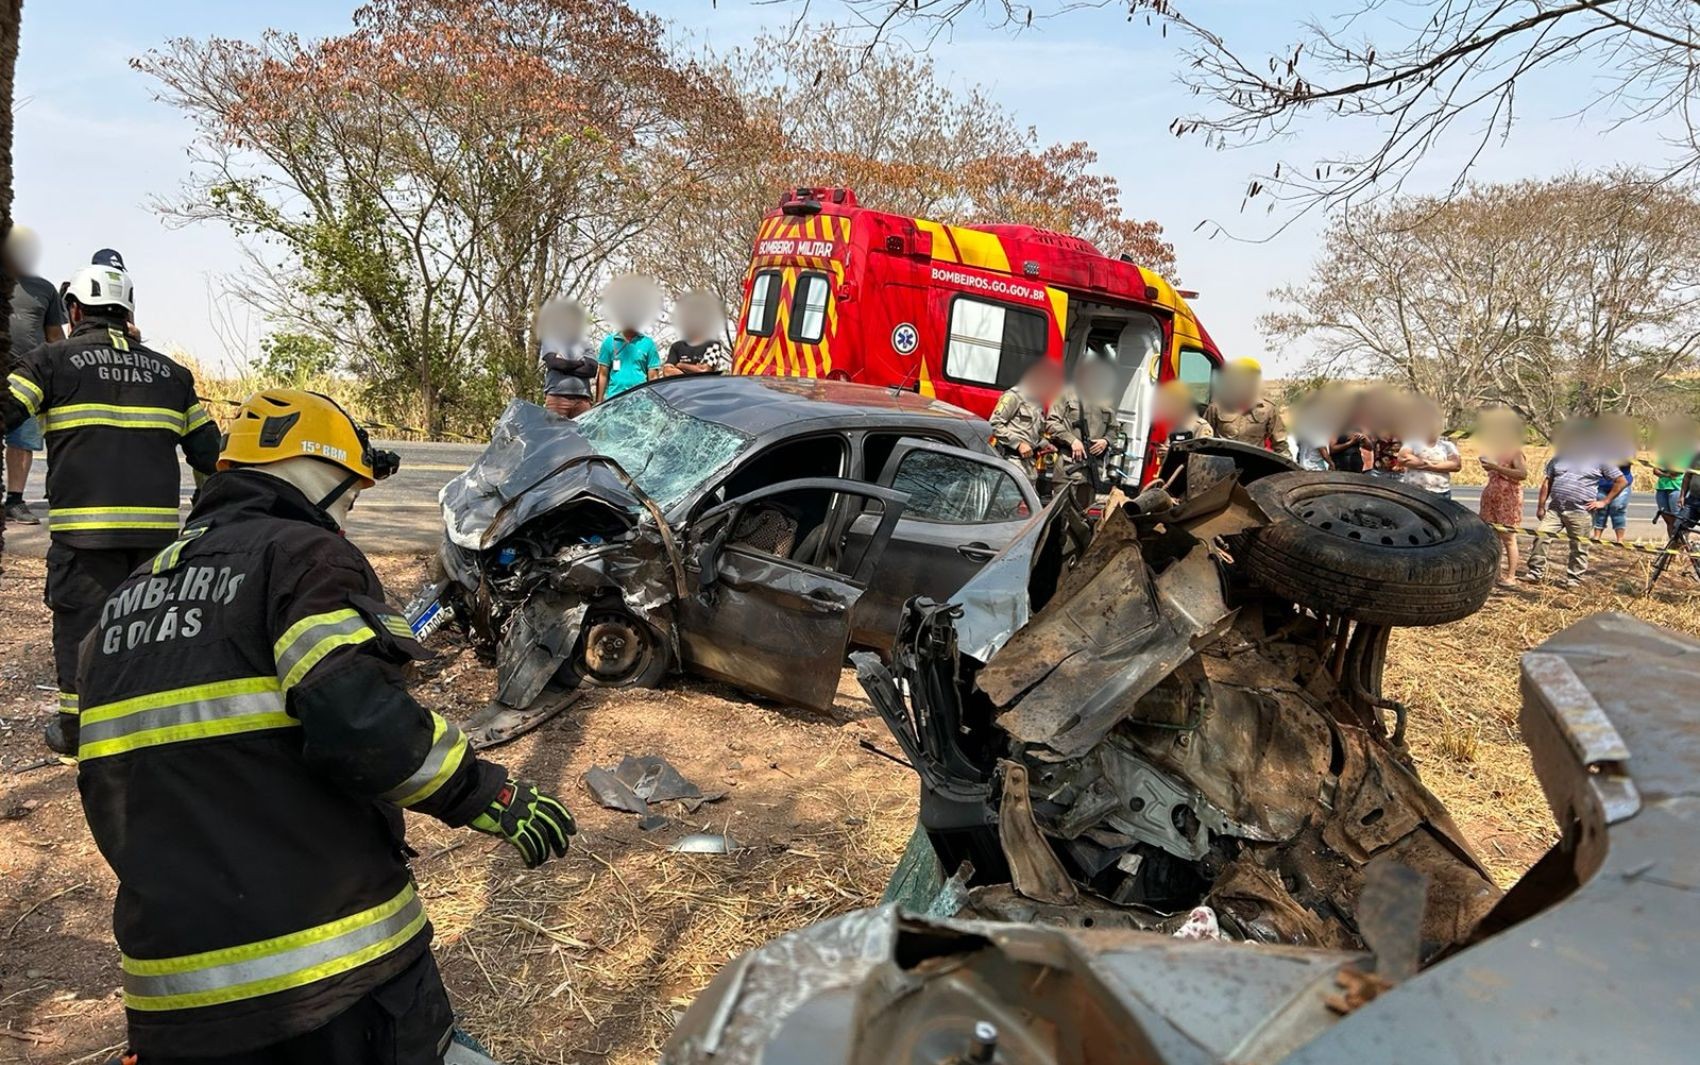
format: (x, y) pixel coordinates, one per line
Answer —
(102, 286)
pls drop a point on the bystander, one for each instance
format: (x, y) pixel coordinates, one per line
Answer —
(1500, 435)
(569, 366)
(1569, 497)
(38, 316)
(1428, 460)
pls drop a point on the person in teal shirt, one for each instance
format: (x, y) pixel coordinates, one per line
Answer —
(628, 359)
(1676, 451)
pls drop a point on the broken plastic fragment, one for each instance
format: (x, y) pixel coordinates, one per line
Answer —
(1200, 924)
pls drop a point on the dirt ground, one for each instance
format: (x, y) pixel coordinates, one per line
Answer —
(592, 958)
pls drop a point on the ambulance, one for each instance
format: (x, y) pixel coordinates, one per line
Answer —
(843, 291)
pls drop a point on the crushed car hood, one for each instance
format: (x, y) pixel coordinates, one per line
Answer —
(535, 463)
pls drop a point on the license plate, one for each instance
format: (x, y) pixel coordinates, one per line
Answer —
(427, 612)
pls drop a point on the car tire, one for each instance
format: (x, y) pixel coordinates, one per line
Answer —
(1370, 549)
(617, 650)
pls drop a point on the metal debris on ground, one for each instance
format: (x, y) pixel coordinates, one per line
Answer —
(642, 780)
(705, 843)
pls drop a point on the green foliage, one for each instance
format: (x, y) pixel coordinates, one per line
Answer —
(296, 358)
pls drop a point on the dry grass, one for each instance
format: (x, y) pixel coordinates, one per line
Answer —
(1461, 683)
(591, 958)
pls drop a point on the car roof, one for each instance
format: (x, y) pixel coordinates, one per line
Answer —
(764, 405)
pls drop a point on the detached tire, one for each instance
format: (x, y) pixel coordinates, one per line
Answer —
(1370, 549)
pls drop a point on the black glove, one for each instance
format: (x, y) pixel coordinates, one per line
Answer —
(535, 823)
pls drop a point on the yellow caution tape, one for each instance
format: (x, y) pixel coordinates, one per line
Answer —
(369, 425)
(1639, 546)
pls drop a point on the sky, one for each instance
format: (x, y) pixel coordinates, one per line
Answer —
(93, 148)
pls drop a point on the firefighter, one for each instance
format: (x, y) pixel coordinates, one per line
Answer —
(1018, 420)
(248, 745)
(1240, 412)
(114, 413)
(1082, 424)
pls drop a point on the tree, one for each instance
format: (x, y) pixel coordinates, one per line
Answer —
(296, 358)
(1401, 77)
(11, 19)
(420, 185)
(1569, 296)
(815, 112)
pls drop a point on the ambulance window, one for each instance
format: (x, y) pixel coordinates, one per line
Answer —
(808, 308)
(764, 304)
(1197, 371)
(991, 344)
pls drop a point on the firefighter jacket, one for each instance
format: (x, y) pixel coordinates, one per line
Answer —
(246, 747)
(114, 414)
(1261, 426)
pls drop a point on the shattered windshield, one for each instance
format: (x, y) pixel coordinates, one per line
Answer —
(669, 453)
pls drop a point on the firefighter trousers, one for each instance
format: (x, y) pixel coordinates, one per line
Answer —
(78, 581)
(407, 1021)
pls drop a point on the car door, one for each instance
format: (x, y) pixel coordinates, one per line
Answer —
(963, 507)
(769, 622)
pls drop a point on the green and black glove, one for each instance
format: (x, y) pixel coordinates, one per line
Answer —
(535, 823)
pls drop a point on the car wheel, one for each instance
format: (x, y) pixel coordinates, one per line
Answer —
(617, 650)
(1369, 549)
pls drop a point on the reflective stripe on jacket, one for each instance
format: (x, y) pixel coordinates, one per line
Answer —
(246, 745)
(114, 414)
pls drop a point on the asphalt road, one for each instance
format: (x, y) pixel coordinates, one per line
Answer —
(401, 515)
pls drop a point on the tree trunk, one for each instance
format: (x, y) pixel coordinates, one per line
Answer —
(11, 17)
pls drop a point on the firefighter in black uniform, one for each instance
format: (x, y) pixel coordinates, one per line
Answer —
(247, 746)
(114, 413)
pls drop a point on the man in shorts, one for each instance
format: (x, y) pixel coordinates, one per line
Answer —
(37, 317)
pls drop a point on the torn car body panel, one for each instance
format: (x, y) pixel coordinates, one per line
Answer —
(1590, 957)
(1188, 738)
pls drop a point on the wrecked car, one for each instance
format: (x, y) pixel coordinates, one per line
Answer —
(1067, 841)
(746, 529)
(1183, 706)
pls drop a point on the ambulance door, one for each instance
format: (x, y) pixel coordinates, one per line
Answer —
(898, 341)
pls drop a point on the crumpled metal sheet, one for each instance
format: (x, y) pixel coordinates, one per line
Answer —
(1111, 644)
(611, 792)
(540, 636)
(1034, 868)
(995, 601)
(535, 462)
(737, 1015)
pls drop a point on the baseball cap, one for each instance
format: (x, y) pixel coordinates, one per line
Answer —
(108, 257)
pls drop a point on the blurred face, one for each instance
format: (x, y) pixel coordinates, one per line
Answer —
(1322, 415)
(1617, 435)
(1238, 386)
(1675, 436)
(1095, 381)
(1043, 380)
(1573, 436)
(561, 320)
(699, 317)
(23, 251)
(1417, 419)
(632, 302)
(1175, 404)
(1500, 430)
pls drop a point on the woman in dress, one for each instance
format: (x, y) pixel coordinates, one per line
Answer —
(1501, 433)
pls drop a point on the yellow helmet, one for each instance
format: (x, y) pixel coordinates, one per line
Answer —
(283, 423)
(1248, 363)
